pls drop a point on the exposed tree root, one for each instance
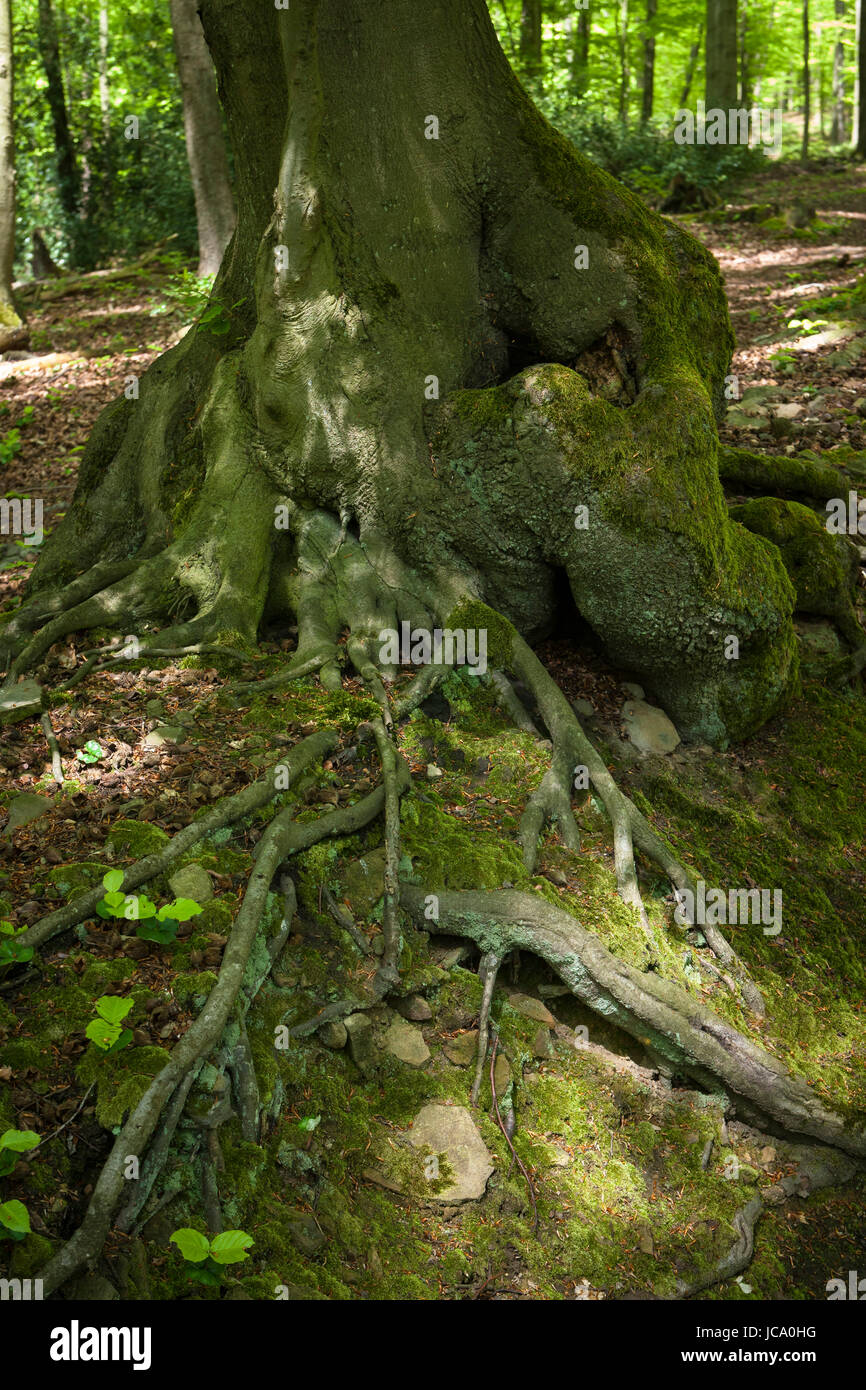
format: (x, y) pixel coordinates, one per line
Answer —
(234, 808)
(679, 1029)
(776, 475)
(488, 969)
(200, 1038)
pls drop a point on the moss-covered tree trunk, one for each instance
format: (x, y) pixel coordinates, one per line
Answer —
(447, 330)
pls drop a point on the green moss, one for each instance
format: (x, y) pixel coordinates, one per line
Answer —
(135, 839)
(121, 1078)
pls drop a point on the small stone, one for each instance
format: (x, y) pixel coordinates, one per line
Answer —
(433, 772)
(452, 957)
(649, 728)
(860, 406)
(463, 1049)
(768, 1154)
(634, 690)
(304, 1233)
(192, 881)
(451, 1130)
(334, 1035)
(583, 707)
(556, 876)
(532, 1008)
(360, 1031)
(406, 1043)
(789, 410)
(541, 1047)
(414, 1008)
(501, 1074)
(20, 701)
(378, 945)
(25, 808)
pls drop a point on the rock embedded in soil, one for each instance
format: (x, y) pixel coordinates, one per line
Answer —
(463, 1049)
(414, 1008)
(25, 808)
(334, 1035)
(361, 1041)
(192, 881)
(451, 1130)
(649, 728)
(406, 1043)
(530, 1007)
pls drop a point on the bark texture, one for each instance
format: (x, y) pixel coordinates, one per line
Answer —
(205, 144)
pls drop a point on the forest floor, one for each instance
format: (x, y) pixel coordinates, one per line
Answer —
(632, 1194)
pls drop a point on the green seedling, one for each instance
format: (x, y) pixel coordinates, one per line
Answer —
(105, 1031)
(208, 1256)
(13, 1142)
(13, 952)
(14, 1221)
(157, 924)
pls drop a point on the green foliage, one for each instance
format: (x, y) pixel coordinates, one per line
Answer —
(13, 952)
(158, 924)
(14, 1221)
(105, 1031)
(15, 1141)
(208, 1256)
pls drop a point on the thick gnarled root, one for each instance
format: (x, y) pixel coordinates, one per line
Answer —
(678, 1028)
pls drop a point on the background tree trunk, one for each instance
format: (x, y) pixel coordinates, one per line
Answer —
(721, 55)
(10, 323)
(858, 138)
(839, 127)
(649, 59)
(807, 84)
(205, 142)
(694, 54)
(67, 166)
(531, 38)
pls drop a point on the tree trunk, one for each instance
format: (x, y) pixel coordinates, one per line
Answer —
(858, 137)
(839, 127)
(205, 144)
(10, 322)
(807, 84)
(694, 54)
(649, 60)
(67, 167)
(578, 30)
(391, 305)
(447, 365)
(721, 55)
(531, 38)
(624, 69)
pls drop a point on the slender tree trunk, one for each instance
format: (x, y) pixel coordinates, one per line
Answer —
(694, 54)
(745, 73)
(721, 55)
(531, 38)
(67, 166)
(858, 138)
(10, 323)
(205, 142)
(839, 127)
(649, 61)
(624, 70)
(578, 31)
(807, 84)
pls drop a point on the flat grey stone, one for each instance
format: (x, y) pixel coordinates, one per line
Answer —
(415, 1008)
(532, 1008)
(451, 1130)
(25, 808)
(334, 1035)
(192, 881)
(361, 1043)
(635, 691)
(20, 701)
(649, 728)
(406, 1043)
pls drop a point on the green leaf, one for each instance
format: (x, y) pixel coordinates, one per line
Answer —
(162, 932)
(191, 1244)
(19, 1140)
(112, 880)
(310, 1123)
(14, 1216)
(206, 1274)
(90, 753)
(114, 900)
(181, 909)
(230, 1246)
(113, 1009)
(102, 1033)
